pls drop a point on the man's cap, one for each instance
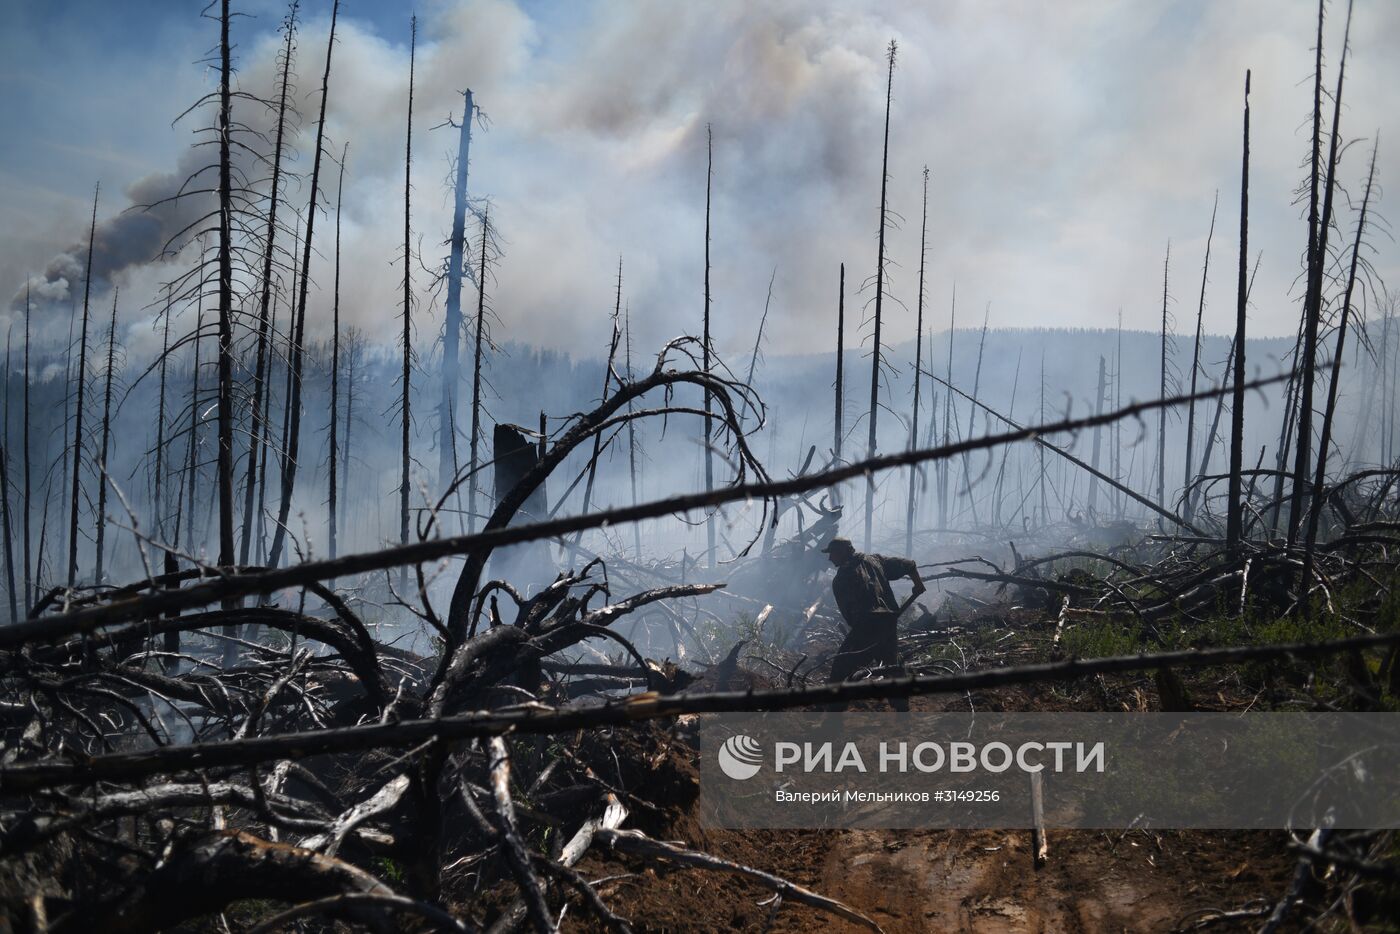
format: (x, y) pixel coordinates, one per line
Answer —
(838, 544)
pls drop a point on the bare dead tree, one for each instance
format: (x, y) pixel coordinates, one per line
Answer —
(224, 468)
(191, 478)
(944, 467)
(28, 508)
(1118, 404)
(1098, 410)
(918, 374)
(105, 443)
(78, 408)
(631, 434)
(1162, 391)
(763, 320)
(296, 363)
(1196, 359)
(1040, 449)
(837, 431)
(286, 394)
(1318, 230)
(1234, 523)
(452, 327)
(258, 432)
(159, 466)
(706, 345)
(333, 449)
(405, 412)
(477, 348)
(1315, 513)
(876, 359)
(10, 588)
(616, 336)
(65, 453)
(972, 412)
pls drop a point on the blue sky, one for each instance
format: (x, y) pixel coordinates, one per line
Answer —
(1066, 143)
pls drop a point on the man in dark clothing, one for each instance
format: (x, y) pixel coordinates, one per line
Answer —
(867, 602)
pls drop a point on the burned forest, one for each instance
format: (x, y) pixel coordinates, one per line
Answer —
(409, 466)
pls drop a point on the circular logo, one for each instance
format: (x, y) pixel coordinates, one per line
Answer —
(740, 757)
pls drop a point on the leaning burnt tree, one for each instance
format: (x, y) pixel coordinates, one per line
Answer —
(876, 359)
(918, 376)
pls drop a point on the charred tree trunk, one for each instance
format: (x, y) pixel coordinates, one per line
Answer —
(1119, 499)
(257, 436)
(1234, 519)
(1040, 450)
(872, 444)
(105, 443)
(918, 375)
(1195, 367)
(943, 466)
(192, 464)
(335, 362)
(840, 404)
(267, 397)
(631, 437)
(476, 375)
(1315, 513)
(1220, 402)
(1162, 393)
(607, 384)
(43, 535)
(225, 403)
(1385, 386)
(972, 415)
(28, 508)
(705, 347)
(78, 408)
(405, 411)
(514, 456)
(352, 357)
(11, 589)
(1098, 410)
(159, 491)
(1318, 229)
(65, 452)
(298, 328)
(452, 330)
(758, 339)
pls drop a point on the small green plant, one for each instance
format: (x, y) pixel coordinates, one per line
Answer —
(389, 869)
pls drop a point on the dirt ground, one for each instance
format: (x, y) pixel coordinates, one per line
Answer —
(966, 881)
(972, 882)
